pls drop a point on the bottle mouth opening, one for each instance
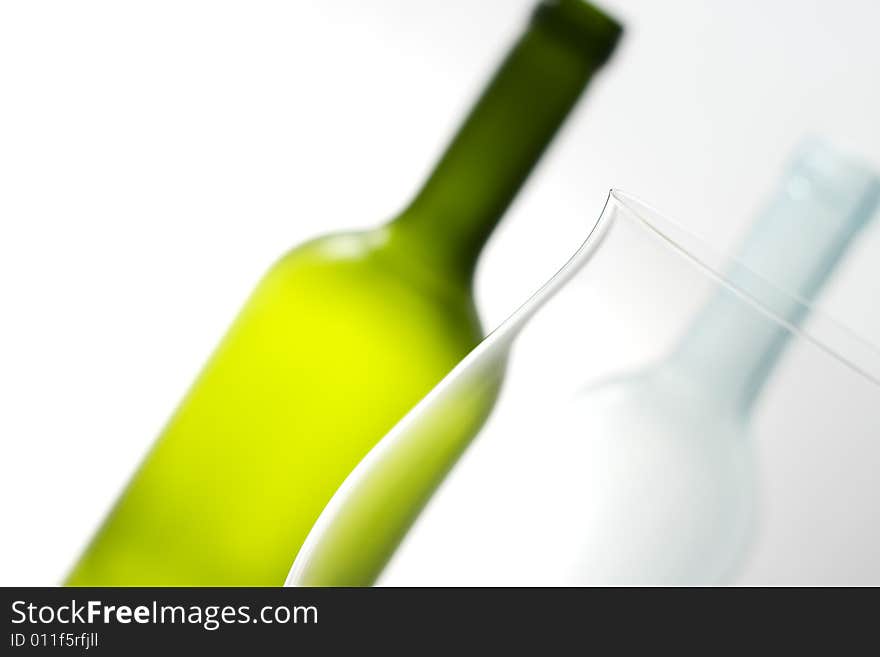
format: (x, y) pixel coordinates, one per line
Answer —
(752, 288)
(580, 24)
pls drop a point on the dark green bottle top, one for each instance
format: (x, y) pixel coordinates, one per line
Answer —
(583, 25)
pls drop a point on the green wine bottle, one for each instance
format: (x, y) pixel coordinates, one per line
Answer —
(342, 336)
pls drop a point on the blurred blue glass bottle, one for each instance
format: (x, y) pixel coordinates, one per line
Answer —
(683, 514)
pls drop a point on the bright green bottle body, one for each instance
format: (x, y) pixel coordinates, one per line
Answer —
(335, 344)
(341, 337)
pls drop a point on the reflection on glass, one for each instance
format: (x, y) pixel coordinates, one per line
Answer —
(647, 476)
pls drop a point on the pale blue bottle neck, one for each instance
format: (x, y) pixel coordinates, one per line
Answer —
(793, 248)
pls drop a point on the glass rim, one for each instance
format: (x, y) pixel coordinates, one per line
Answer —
(822, 330)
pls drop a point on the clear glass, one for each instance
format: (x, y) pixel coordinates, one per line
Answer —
(656, 414)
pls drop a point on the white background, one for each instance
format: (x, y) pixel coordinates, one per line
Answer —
(156, 157)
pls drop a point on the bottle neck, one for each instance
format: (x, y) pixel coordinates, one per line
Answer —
(506, 132)
(732, 348)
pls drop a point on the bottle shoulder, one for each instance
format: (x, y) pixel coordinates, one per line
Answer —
(370, 263)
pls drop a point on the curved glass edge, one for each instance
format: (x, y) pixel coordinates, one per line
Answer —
(372, 490)
(822, 330)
